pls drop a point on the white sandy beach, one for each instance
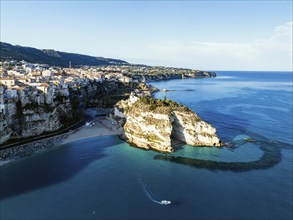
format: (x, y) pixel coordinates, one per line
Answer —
(102, 127)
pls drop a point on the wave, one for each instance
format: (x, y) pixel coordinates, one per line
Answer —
(149, 193)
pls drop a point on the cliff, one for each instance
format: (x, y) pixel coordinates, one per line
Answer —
(38, 121)
(5, 131)
(28, 118)
(35, 113)
(178, 74)
(156, 124)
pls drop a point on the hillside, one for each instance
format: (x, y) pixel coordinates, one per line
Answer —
(52, 57)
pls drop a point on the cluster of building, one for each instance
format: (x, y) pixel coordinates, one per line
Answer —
(29, 83)
(41, 83)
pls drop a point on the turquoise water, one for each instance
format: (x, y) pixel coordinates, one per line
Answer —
(104, 178)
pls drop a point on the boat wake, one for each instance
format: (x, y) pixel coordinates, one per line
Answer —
(151, 196)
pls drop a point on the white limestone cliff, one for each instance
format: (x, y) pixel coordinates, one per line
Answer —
(20, 121)
(154, 124)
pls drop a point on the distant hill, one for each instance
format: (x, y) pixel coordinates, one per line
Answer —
(52, 57)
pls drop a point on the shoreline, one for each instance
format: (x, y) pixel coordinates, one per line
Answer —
(29, 140)
(102, 127)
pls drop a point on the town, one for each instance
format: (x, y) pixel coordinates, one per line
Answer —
(38, 98)
(21, 79)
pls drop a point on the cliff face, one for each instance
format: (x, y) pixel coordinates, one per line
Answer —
(36, 122)
(29, 119)
(189, 128)
(155, 124)
(5, 131)
(147, 130)
(7, 121)
(167, 76)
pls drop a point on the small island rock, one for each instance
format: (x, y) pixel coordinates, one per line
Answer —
(153, 124)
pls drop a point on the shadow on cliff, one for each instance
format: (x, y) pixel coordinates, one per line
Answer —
(52, 167)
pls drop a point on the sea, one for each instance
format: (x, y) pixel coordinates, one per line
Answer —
(105, 178)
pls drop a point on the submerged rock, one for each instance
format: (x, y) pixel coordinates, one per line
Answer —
(154, 124)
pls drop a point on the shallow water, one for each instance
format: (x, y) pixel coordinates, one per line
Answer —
(100, 178)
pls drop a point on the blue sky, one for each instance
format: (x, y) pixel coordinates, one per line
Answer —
(211, 35)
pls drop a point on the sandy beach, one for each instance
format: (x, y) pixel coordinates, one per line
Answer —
(102, 127)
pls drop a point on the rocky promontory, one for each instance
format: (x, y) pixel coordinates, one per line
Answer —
(169, 74)
(156, 124)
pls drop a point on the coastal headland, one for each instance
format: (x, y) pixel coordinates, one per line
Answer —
(161, 124)
(39, 100)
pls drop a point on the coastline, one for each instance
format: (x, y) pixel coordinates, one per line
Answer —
(102, 127)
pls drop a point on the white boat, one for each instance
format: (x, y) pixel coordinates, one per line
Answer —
(165, 202)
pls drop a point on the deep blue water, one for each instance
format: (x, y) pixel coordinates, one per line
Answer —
(104, 178)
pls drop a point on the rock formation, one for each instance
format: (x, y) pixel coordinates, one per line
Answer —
(162, 76)
(26, 118)
(5, 131)
(154, 124)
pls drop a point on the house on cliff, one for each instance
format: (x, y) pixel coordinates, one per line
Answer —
(7, 81)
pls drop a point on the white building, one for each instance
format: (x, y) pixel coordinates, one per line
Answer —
(7, 81)
(47, 73)
(12, 73)
(43, 87)
(125, 79)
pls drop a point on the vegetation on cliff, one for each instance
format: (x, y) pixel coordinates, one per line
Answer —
(159, 106)
(154, 124)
